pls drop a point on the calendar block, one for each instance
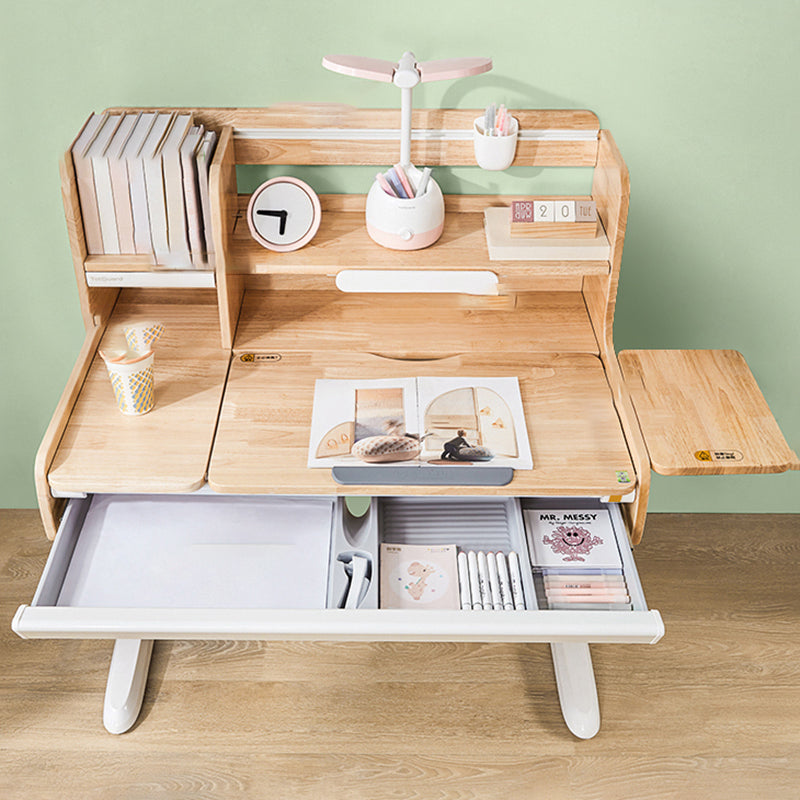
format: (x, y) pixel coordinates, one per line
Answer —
(564, 211)
(553, 218)
(585, 211)
(522, 211)
(544, 211)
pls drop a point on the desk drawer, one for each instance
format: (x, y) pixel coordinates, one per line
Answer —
(225, 567)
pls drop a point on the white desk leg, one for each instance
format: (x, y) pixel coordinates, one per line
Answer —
(577, 691)
(127, 677)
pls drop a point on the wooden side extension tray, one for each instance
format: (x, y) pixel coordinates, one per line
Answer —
(702, 413)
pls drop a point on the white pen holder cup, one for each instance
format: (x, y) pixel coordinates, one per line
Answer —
(406, 224)
(133, 384)
(495, 152)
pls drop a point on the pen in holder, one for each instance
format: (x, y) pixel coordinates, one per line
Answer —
(492, 151)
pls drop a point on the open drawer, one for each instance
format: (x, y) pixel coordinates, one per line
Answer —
(205, 566)
(136, 568)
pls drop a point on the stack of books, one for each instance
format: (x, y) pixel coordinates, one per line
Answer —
(143, 187)
(576, 560)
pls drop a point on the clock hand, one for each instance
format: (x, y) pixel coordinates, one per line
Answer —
(283, 214)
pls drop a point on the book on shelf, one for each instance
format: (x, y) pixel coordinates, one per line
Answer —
(132, 154)
(98, 155)
(154, 184)
(85, 181)
(204, 155)
(426, 422)
(118, 173)
(191, 194)
(178, 256)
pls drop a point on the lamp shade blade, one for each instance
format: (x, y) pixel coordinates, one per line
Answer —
(373, 69)
(449, 68)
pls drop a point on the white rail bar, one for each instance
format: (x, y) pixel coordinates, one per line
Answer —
(338, 624)
(393, 134)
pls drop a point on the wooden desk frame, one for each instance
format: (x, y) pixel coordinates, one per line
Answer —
(550, 316)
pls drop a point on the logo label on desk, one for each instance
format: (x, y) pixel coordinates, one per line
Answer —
(718, 455)
(259, 358)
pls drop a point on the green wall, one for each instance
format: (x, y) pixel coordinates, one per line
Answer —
(700, 96)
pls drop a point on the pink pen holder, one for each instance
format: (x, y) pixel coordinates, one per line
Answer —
(406, 223)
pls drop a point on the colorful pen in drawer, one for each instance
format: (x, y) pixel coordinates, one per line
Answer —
(588, 598)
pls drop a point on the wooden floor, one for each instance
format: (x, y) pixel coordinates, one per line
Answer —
(712, 711)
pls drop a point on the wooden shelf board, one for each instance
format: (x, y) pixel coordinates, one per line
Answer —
(263, 434)
(342, 116)
(119, 263)
(702, 413)
(342, 242)
(413, 326)
(259, 138)
(167, 449)
(140, 271)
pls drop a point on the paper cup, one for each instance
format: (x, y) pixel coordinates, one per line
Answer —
(142, 335)
(495, 152)
(133, 384)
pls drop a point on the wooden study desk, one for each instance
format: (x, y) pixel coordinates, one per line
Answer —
(235, 375)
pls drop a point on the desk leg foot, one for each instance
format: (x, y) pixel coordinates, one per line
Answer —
(127, 677)
(577, 691)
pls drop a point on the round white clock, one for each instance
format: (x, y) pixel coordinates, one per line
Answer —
(284, 214)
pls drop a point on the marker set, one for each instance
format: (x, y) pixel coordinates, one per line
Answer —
(490, 581)
(396, 182)
(586, 589)
(496, 121)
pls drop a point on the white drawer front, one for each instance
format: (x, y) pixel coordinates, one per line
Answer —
(339, 624)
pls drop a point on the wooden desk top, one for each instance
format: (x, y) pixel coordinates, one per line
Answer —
(167, 449)
(261, 443)
(263, 434)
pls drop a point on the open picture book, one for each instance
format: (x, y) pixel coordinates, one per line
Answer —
(419, 422)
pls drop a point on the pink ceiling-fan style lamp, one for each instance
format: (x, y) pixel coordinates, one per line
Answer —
(412, 217)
